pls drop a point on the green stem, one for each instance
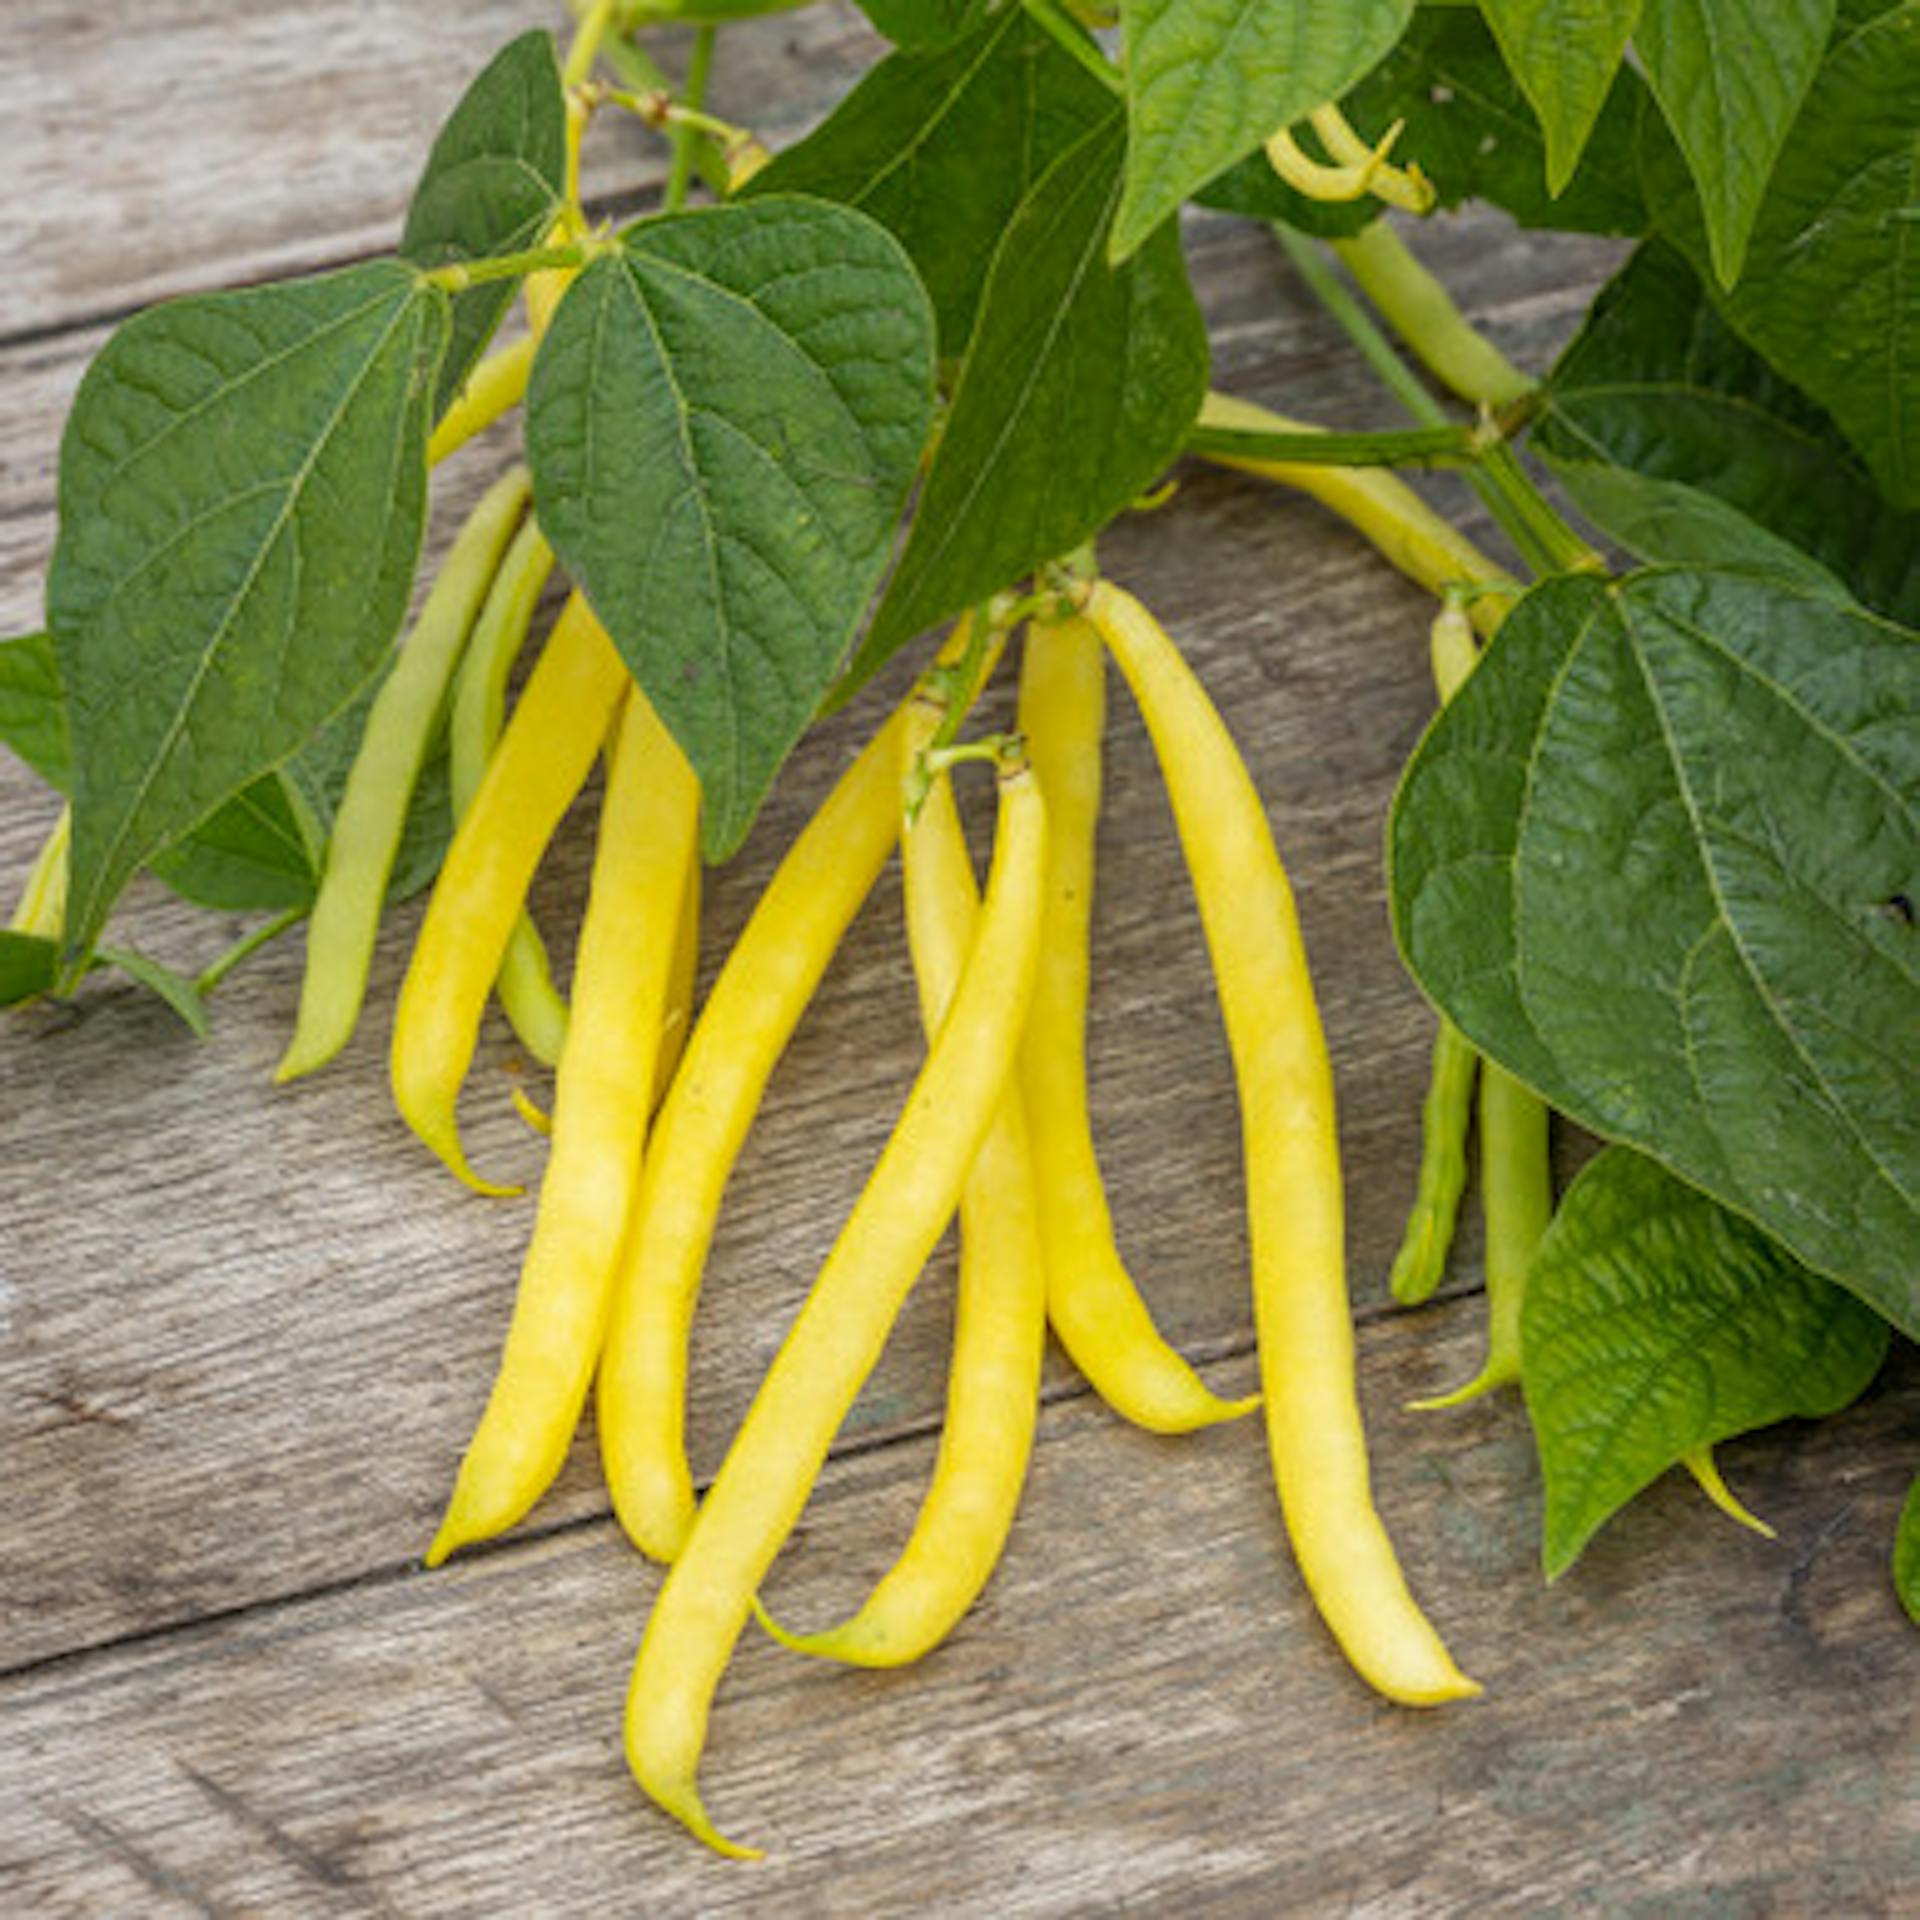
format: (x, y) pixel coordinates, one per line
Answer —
(1549, 544)
(1422, 313)
(1446, 445)
(506, 266)
(637, 70)
(1357, 324)
(1378, 352)
(1070, 36)
(587, 37)
(245, 947)
(699, 67)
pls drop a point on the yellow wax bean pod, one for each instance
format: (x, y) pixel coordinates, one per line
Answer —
(1092, 1302)
(541, 763)
(1294, 1204)
(495, 387)
(1000, 1315)
(649, 835)
(838, 1335)
(750, 1015)
(372, 815)
(533, 1005)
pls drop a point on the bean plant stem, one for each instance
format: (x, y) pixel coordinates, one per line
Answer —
(506, 266)
(587, 37)
(1061, 27)
(699, 67)
(245, 947)
(637, 70)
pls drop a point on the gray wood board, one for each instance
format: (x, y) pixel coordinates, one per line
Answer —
(1142, 1715)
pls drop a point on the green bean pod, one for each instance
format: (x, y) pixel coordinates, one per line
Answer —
(373, 809)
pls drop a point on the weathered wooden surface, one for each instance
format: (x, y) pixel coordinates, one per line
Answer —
(243, 1333)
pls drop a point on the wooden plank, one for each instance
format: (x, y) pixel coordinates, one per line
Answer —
(1143, 1715)
(208, 145)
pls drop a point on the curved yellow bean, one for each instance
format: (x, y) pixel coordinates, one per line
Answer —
(677, 1022)
(532, 1003)
(764, 988)
(541, 763)
(1301, 1314)
(838, 1335)
(496, 386)
(1376, 504)
(648, 838)
(372, 814)
(1092, 1302)
(1000, 1315)
(756, 1003)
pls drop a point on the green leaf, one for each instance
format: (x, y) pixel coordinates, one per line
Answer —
(28, 966)
(1077, 391)
(1656, 1322)
(924, 23)
(174, 988)
(493, 182)
(242, 493)
(1659, 859)
(251, 854)
(1564, 54)
(1906, 1554)
(1208, 81)
(723, 423)
(33, 710)
(1678, 438)
(1730, 76)
(941, 148)
(1831, 291)
(1472, 134)
(263, 848)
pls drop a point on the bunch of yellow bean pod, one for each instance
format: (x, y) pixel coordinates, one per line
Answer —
(995, 1129)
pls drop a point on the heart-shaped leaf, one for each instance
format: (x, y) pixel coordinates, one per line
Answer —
(1657, 1322)
(942, 147)
(1683, 443)
(1077, 391)
(1210, 80)
(1564, 54)
(1658, 858)
(495, 177)
(724, 419)
(1831, 291)
(1729, 76)
(242, 493)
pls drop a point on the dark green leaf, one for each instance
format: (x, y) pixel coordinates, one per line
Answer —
(250, 854)
(1077, 391)
(242, 492)
(33, 710)
(1656, 1322)
(1830, 293)
(28, 965)
(1659, 418)
(495, 177)
(924, 23)
(1208, 81)
(1564, 54)
(1472, 134)
(1658, 858)
(174, 988)
(941, 148)
(1729, 76)
(263, 848)
(724, 421)
(1906, 1554)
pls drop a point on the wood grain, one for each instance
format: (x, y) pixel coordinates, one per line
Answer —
(244, 1333)
(1142, 1716)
